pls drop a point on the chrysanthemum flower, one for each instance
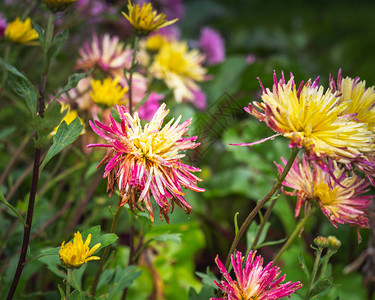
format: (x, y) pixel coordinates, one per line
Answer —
(21, 32)
(360, 103)
(212, 45)
(107, 92)
(147, 160)
(144, 19)
(179, 68)
(342, 200)
(106, 53)
(75, 254)
(313, 119)
(254, 281)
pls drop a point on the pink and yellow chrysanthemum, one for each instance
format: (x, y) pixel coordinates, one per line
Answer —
(360, 103)
(254, 281)
(145, 161)
(342, 200)
(313, 119)
(106, 53)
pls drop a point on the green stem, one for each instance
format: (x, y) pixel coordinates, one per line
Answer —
(6, 59)
(264, 221)
(135, 45)
(68, 283)
(255, 211)
(295, 233)
(36, 169)
(314, 271)
(325, 263)
(106, 252)
(48, 41)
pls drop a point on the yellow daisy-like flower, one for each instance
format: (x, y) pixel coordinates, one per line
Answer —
(75, 254)
(313, 119)
(155, 42)
(144, 19)
(179, 68)
(108, 92)
(21, 32)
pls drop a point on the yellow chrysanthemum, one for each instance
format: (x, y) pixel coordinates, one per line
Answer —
(75, 254)
(21, 32)
(108, 92)
(144, 19)
(313, 119)
(155, 42)
(179, 68)
(359, 100)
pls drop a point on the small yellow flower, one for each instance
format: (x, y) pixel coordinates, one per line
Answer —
(75, 254)
(58, 5)
(70, 116)
(108, 92)
(144, 19)
(21, 32)
(155, 42)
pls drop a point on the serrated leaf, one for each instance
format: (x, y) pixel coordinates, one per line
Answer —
(72, 83)
(320, 286)
(123, 279)
(65, 135)
(104, 240)
(205, 293)
(25, 90)
(57, 44)
(40, 32)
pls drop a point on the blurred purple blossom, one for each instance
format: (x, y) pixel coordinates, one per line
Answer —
(199, 100)
(3, 25)
(94, 10)
(147, 110)
(212, 45)
(250, 58)
(171, 8)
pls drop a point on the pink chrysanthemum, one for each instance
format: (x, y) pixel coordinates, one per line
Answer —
(254, 281)
(105, 53)
(212, 45)
(147, 160)
(312, 119)
(342, 200)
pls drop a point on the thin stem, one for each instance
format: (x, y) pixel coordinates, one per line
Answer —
(295, 233)
(135, 45)
(325, 263)
(314, 271)
(106, 252)
(35, 178)
(132, 251)
(263, 223)
(68, 284)
(6, 59)
(255, 211)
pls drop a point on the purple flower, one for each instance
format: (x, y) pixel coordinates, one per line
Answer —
(212, 45)
(147, 110)
(3, 25)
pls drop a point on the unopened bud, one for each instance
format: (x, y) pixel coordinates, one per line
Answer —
(321, 242)
(333, 242)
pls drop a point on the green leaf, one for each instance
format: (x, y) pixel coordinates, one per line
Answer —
(123, 279)
(57, 44)
(12, 208)
(271, 243)
(303, 265)
(62, 293)
(25, 90)
(52, 262)
(104, 240)
(208, 278)
(106, 277)
(205, 293)
(65, 135)
(72, 83)
(6, 131)
(77, 277)
(236, 223)
(14, 71)
(40, 32)
(320, 286)
(169, 237)
(75, 295)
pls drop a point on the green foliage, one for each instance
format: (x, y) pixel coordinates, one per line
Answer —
(123, 279)
(72, 83)
(65, 135)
